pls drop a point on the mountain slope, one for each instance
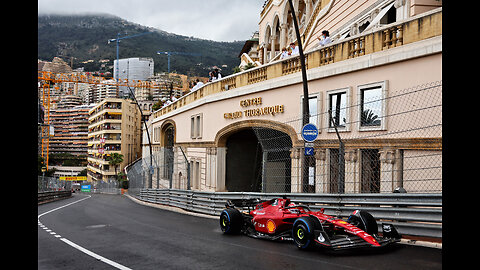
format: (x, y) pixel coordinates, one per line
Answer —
(85, 38)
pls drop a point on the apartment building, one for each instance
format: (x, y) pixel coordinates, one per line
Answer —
(114, 127)
(70, 124)
(68, 101)
(158, 87)
(98, 92)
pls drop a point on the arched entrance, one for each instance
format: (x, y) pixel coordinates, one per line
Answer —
(243, 166)
(168, 141)
(258, 160)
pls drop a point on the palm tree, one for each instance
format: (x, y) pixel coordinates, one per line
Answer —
(114, 160)
(369, 118)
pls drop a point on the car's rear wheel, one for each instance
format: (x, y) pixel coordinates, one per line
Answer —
(303, 232)
(231, 221)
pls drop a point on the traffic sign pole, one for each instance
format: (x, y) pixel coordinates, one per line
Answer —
(309, 134)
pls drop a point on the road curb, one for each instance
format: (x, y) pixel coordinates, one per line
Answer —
(421, 243)
(170, 208)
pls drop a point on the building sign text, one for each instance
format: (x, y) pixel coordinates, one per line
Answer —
(269, 110)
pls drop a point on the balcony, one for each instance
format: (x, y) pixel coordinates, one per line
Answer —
(109, 116)
(108, 105)
(109, 138)
(417, 28)
(102, 127)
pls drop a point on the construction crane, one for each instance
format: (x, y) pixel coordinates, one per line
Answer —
(181, 53)
(117, 40)
(45, 122)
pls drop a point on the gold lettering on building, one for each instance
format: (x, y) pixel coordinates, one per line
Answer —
(252, 101)
(233, 115)
(264, 111)
(269, 110)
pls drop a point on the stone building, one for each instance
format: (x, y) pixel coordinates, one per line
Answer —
(377, 86)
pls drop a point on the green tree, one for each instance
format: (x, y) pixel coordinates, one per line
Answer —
(122, 180)
(114, 160)
(83, 172)
(41, 164)
(249, 66)
(157, 105)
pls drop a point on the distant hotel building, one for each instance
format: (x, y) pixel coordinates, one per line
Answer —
(139, 68)
(114, 127)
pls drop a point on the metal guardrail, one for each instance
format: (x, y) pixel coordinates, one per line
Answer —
(49, 196)
(418, 215)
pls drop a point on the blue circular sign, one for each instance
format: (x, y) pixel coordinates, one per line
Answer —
(309, 132)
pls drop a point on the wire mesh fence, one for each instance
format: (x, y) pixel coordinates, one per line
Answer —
(166, 168)
(387, 140)
(111, 187)
(372, 139)
(46, 183)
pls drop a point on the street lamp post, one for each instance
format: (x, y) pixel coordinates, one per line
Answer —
(306, 109)
(150, 180)
(117, 40)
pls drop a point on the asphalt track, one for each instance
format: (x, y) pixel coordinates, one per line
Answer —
(113, 232)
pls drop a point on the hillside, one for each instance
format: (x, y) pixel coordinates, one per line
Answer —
(85, 38)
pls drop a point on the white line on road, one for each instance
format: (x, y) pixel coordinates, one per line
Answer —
(96, 256)
(82, 249)
(63, 206)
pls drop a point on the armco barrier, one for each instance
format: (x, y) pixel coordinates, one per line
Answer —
(418, 215)
(49, 196)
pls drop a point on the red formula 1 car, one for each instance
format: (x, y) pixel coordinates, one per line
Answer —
(280, 219)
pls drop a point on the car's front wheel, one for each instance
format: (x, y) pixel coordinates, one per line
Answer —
(303, 232)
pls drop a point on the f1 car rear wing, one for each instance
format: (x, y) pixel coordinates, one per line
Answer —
(242, 203)
(252, 203)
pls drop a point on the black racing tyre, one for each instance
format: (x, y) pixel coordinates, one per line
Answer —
(364, 220)
(231, 221)
(303, 232)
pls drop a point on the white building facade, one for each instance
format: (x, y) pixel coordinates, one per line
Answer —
(137, 68)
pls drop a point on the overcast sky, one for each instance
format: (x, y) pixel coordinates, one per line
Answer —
(219, 20)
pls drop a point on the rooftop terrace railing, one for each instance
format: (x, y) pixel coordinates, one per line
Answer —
(417, 28)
